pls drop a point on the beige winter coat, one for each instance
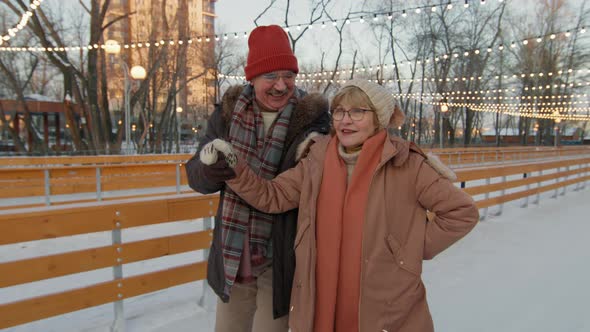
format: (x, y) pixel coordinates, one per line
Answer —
(396, 235)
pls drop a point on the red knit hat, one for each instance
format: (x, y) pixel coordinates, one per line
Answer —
(269, 50)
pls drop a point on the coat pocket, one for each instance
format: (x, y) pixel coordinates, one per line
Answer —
(401, 259)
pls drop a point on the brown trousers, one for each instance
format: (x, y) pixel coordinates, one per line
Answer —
(250, 308)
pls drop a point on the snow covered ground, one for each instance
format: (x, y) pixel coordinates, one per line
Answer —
(525, 270)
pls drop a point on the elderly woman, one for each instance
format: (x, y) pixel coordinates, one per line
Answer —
(362, 230)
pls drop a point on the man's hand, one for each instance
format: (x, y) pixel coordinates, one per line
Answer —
(219, 172)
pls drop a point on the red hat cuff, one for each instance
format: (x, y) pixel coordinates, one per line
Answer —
(270, 64)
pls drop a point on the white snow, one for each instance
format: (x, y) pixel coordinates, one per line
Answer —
(38, 97)
(525, 270)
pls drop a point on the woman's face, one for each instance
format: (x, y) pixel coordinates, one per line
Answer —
(356, 125)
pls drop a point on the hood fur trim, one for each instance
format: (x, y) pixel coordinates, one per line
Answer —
(303, 147)
(229, 100)
(403, 149)
(440, 167)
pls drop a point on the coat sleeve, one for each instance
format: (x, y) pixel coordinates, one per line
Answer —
(195, 168)
(456, 212)
(271, 196)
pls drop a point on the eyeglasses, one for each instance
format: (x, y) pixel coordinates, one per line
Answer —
(275, 76)
(355, 114)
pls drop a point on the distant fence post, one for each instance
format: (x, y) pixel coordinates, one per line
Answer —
(567, 169)
(525, 202)
(98, 185)
(177, 178)
(119, 320)
(580, 175)
(207, 224)
(587, 172)
(556, 181)
(538, 198)
(502, 192)
(47, 187)
(483, 215)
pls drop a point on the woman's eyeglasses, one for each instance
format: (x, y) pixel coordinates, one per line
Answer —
(355, 114)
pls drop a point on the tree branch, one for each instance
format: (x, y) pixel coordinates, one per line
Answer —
(117, 19)
(272, 2)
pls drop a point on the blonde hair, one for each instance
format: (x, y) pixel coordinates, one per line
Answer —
(352, 95)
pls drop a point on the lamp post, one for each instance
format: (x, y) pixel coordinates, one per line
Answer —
(112, 47)
(443, 109)
(178, 113)
(556, 128)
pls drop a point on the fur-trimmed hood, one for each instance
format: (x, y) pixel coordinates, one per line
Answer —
(308, 109)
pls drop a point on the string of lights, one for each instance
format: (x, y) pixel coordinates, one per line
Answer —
(349, 69)
(381, 68)
(348, 20)
(527, 102)
(319, 76)
(557, 103)
(376, 16)
(539, 107)
(22, 23)
(452, 95)
(533, 113)
(554, 113)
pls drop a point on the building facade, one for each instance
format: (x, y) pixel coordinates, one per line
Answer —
(171, 36)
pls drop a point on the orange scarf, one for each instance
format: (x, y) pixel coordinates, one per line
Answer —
(340, 219)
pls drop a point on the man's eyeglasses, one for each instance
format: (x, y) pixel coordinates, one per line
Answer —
(275, 76)
(355, 114)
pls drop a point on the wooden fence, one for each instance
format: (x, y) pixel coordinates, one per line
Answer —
(59, 222)
(490, 186)
(496, 185)
(120, 181)
(45, 182)
(33, 162)
(461, 157)
(455, 156)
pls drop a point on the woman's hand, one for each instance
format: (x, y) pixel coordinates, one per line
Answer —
(209, 153)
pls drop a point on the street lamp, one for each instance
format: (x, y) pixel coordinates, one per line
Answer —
(557, 122)
(112, 47)
(443, 109)
(178, 113)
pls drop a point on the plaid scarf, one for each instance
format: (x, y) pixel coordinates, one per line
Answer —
(263, 155)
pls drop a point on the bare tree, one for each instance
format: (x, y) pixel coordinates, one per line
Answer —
(548, 54)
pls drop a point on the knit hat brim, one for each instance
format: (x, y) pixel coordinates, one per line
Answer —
(388, 112)
(270, 64)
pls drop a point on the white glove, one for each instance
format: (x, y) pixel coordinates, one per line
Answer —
(209, 153)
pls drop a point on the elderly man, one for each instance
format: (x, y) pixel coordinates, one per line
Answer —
(268, 123)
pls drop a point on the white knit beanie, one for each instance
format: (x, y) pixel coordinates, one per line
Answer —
(387, 109)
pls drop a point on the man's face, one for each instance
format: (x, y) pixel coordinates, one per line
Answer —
(274, 89)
